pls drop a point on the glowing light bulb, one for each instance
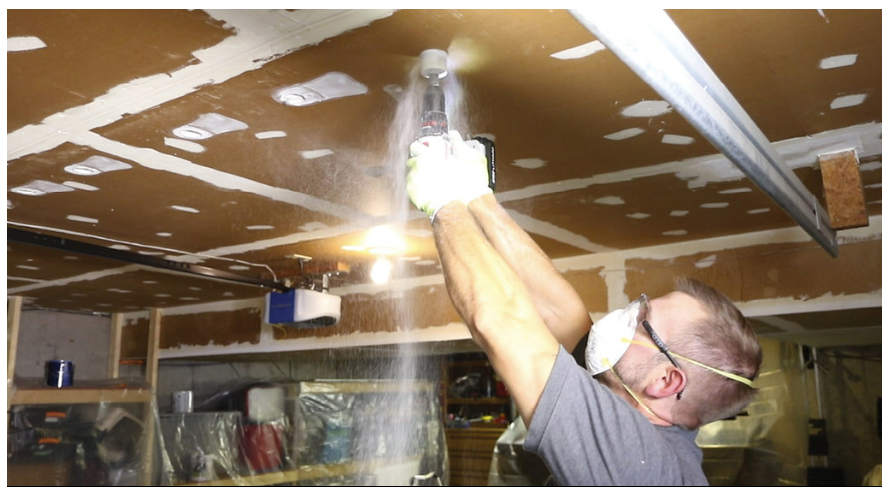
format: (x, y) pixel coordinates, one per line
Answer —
(381, 271)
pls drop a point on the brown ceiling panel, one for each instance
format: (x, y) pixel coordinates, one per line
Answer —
(128, 289)
(156, 210)
(81, 46)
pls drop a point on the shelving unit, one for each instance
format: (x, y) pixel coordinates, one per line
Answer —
(470, 437)
(112, 391)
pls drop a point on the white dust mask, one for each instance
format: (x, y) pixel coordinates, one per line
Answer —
(610, 338)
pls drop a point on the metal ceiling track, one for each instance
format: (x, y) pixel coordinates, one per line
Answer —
(26, 237)
(652, 46)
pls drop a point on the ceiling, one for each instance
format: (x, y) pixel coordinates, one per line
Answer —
(128, 88)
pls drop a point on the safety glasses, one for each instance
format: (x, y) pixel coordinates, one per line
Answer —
(642, 317)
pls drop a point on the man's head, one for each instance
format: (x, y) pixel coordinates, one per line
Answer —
(699, 326)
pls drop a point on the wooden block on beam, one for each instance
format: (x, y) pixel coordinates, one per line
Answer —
(843, 190)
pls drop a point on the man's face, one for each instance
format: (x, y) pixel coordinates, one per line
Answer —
(668, 315)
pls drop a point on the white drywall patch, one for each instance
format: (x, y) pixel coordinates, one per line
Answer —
(26, 267)
(848, 101)
(329, 86)
(315, 154)
(184, 145)
(625, 134)
(120, 247)
(80, 186)
(580, 51)
(164, 234)
(674, 233)
(838, 61)
(209, 125)
(706, 262)
(638, 216)
(394, 90)
(40, 187)
(260, 227)
(23, 43)
(270, 134)
(185, 209)
(743, 190)
(758, 211)
(714, 205)
(671, 139)
(646, 109)
(82, 219)
(611, 200)
(678, 212)
(529, 163)
(313, 226)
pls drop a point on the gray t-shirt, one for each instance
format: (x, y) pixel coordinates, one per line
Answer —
(588, 436)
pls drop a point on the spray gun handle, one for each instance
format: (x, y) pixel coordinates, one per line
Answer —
(441, 144)
(487, 146)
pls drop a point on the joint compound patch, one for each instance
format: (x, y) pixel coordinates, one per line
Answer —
(529, 163)
(670, 139)
(848, 101)
(838, 61)
(580, 51)
(315, 154)
(611, 200)
(23, 43)
(647, 109)
(625, 134)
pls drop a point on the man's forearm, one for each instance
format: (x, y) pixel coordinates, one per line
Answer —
(557, 302)
(495, 305)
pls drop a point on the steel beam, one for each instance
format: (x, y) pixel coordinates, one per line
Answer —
(652, 46)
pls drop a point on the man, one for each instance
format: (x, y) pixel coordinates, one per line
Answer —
(663, 367)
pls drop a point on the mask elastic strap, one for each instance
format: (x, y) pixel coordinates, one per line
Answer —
(632, 394)
(728, 375)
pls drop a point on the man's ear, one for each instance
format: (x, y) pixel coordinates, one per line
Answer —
(670, 383)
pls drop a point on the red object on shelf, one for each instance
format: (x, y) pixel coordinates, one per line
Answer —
(501, 390)
(262, 446)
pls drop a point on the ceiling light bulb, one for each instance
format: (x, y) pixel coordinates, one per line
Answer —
(82, 170)
(27, 191)
(381, 271)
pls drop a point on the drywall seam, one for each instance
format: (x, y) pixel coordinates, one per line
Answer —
(152, 159)
(250, 48)
(555, 233)
(866, 139)
(83, 277)
(669, 251)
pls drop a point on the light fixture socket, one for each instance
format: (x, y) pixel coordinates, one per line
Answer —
(327, 87)
(96, 165)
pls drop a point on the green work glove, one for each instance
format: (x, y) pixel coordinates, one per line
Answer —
(442, 172)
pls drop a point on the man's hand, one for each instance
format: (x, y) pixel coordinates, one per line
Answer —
(436, 177)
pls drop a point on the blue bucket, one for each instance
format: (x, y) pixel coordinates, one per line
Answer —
(59, 373)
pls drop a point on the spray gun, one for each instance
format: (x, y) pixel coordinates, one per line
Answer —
(434, 117)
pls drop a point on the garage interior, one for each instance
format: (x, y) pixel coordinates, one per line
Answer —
(171, 172)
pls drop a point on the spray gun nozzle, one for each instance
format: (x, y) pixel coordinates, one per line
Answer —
(434, 118)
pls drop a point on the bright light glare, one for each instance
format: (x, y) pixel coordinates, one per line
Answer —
(381, 271)
(383, 240)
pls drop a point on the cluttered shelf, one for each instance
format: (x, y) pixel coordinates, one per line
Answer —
(301, 474)
(32, 392)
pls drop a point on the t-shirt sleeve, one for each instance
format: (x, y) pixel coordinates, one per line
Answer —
(588, 436)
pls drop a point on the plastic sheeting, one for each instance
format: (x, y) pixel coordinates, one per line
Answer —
(96, 444)
(285, 434)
